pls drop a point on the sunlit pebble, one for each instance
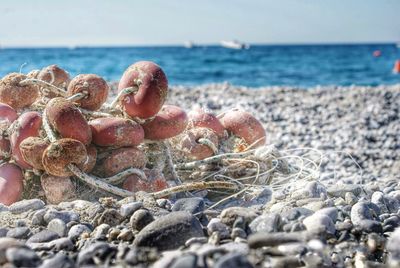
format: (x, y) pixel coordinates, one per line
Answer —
(316, 245)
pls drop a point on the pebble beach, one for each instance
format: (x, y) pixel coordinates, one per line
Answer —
(346, 216)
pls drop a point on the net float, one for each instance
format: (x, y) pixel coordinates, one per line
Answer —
(91, 160)
(7, 113)
(151, 88)
(54, 75)
(245, 126)
(198, 143)
(116, 132)
(93, 88)
(11, 183)
(16, 95)
(57, 189)
(169, 122)
(59, 154)
(122, 159)
(67, 120)
(133, 183)
(200, 118)
(32, 149)
(27, 125)
(396, 68)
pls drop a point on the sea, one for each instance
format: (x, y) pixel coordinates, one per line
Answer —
(300, 66)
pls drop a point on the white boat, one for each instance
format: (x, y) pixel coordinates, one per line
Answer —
(188, 44)
(234, 44)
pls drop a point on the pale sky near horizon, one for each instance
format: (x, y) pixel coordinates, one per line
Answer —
(158, 22)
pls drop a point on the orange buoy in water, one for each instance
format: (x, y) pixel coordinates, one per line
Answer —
(396, 68)
(377, 53)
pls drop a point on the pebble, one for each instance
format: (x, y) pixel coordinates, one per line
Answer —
(215, 225)
(331, 212)
(192, 205)
(100, 231)
(3, 232)
(6, 243)
(185, 261)
(340, 190)
(126, 210)
(319, 223)
(110, 217)
(77, 230)
(66, 216)
(229, 215)
(263, 239)
(26, 205)
(98, 250)
(140, 219)
(363, 211)
(58, 261)
(125, 235)
(233, 260)
(19, 232)
(58, 226)
(43, 236)
(266, 223)
(38, 217)
(23, 257)
(170, 231)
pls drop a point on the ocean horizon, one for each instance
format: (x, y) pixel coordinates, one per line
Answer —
(298, 65)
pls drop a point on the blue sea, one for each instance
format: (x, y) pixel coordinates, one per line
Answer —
(292, 65)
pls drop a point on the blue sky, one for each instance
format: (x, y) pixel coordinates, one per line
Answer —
(156, 22)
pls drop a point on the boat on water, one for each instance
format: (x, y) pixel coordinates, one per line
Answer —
(234, 44)
(189, 44)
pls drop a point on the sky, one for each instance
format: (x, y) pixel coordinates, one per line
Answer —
(168, 22)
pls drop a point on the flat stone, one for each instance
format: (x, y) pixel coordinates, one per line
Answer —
(264, 239)
(363, 210)
(126, 210)
(58, 226)
(22, 257)
(26, 205)
(192, 205)
(19, 233)
(170, 231)
(340, 190)
(43, 236)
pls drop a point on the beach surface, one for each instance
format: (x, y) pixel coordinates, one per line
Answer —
(346, 215)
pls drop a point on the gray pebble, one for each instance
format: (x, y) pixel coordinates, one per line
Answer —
(192, 205)
(22, 257)
(3, 232)
(185, 261)
(6, 243)
(266, 223)
(319, 223)
(229, 215)
(215, 225)
(58, 226)
(19, 233)
(331, 212)
(170, 231)
(38, 217)
(77, 230)
(140, 219)
(66, 216)
(363, 211)
(128, 209)
(26, 205)
(43, 236)
(100, 231)
(233, 260)
(58, 261)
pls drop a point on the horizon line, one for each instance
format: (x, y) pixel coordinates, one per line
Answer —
(71, 46)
